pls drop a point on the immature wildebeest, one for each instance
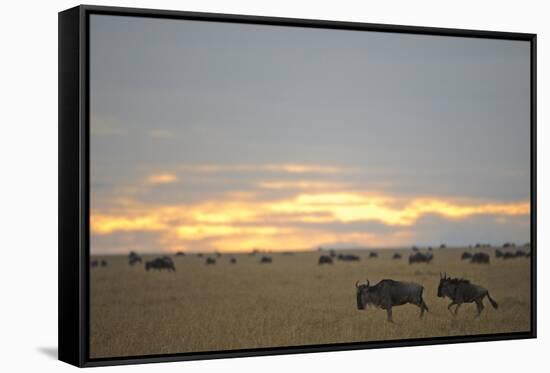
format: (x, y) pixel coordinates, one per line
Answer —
(233, 261)
(480, 258)
(462, 291)
(104, 263)
(389, 293)
(466, 255)
(420, 258)
(325, 259)
(134, 258)
(210, 260)
(373, 255)
(161, 263)
(266, 259)
(348, 257)
(396, 256)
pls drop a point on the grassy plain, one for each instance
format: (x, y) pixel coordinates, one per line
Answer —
(291, 302)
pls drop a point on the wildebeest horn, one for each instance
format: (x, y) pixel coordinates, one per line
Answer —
(445, 275)
(368, 283)
(357, 284)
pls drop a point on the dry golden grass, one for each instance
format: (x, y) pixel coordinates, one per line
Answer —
(291, 302)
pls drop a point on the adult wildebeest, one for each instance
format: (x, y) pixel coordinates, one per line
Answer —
(521, 253)
(396, 256)
(233, 261)
(415, 249)
(325, 259)
(94, 263)
(133, 258)
(210, 260)
(389, 293)
(373, 255)
(420, 258)
(442, 246)
(508, 255)
(164, 262)
(266, 259)
(180, 253)
(104, 263)
(466, 255)
(348, 257)
(480, 258)
(498, 253)
(332, 253)
(462, 291)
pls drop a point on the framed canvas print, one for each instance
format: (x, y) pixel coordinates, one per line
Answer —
(239, 186)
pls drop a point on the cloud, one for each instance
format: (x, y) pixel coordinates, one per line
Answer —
(162, 178)
(288, 168)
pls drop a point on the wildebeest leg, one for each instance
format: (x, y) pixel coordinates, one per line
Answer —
(449, 307)
(457, 307)
(389, 311)
(423, 308)
(479, 304)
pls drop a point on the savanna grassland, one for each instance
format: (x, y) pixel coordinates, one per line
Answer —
(290, 302)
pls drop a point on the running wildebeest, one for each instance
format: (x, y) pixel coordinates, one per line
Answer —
(420, 258)
(462, 291)
(104, 263)
(325, 259)
(210, 260)
(348, 257)
(389, 293)
(466, 255)
(373, 255)
(164, 262)
(266, 259)
(480, 258)
(133, 258)
(233, 261)
(396, 256)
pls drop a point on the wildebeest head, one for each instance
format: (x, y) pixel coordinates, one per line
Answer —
(445, 288)
(363, 295)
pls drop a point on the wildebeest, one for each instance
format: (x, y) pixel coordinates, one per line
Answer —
(266, 259)
(134, 258)
(415, 249)
(373, 254)
(508, 255)
(104, 263)
(218, 254)
(462, 291)
(332, 253)
(325, 259)
(442, 246)
(420, 258)
(210, 260)
(480, 258)
(498, 253)
(348, 257)
(396, 256)
(508, 244)
(466, 255)
(180, 253)
(94, 263)
(164, 262)
(233, 261)
(521, 253)
(389, 293)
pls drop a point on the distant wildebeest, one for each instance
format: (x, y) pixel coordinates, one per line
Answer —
(199, 255)
(430, 248)
(210, 260)
(480, 258)
(442, 246)
(266, 259)
(508, 255)
(521, 253)
(325, 259)
(389, 293)
(332, 253)
(164, 262)
(508, 244)
(498, 253)
(462, 291)
(373, 255)
(233, 261)
(218, 255)
(134, 258)
(104, 263)
(348, 257)
(415, 249)
(180, 253)
(420, 258)
(94, 263)
(396, 256)
(466, 255)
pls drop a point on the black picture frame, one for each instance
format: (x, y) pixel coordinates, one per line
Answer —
(74, 205)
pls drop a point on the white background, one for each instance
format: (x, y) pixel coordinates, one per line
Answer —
(28, 188)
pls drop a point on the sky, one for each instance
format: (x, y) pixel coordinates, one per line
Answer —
(231, 137)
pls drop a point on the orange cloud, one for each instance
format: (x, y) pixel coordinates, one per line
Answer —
(240, 222)
(164, 178)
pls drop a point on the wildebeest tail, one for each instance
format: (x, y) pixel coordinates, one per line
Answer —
(493, 303)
